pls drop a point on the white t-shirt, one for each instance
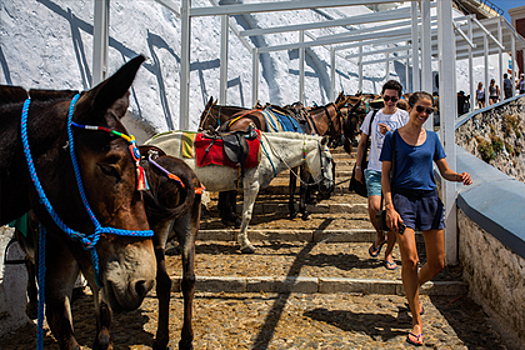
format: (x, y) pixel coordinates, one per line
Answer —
(393, 121)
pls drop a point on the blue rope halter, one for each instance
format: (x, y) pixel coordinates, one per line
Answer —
(88, 241)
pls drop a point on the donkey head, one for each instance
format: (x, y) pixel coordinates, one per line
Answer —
(109, 176)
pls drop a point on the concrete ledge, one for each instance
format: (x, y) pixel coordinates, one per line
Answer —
(494, 201)
(311, 285)
(342, 208)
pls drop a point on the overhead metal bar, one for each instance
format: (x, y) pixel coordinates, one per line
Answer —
(426, 58)
(381, 60)
(171, 6)
(392, 49)
(488, 33)
(415, 48)
(243, 9)
(328, 41)
(464, 36)
(355, 20)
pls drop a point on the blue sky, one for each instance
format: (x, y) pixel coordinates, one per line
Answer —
(505, 5)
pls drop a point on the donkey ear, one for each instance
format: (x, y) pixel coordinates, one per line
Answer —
(116, 86)
(325, 140)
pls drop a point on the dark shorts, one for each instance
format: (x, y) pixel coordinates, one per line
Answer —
(420, 210)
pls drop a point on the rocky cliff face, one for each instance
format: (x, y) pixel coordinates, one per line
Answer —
(498, 137)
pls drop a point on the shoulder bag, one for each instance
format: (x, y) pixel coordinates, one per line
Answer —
(356, 186)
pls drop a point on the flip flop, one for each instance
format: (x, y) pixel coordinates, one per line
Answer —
(418, 342)
(390, 265)
(374, 249)
(421, 309)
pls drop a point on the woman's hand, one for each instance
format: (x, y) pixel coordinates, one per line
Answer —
(464, 177)
(383, 128)
(393, 219)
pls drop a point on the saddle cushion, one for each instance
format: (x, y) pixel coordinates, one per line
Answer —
(216, 154)
(280, 121)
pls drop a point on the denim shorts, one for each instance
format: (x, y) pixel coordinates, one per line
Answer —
(420, 210)
(373, 182)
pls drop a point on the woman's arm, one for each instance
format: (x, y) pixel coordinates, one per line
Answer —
(392, 216)
(450, 175)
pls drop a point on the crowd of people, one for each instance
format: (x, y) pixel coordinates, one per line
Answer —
(400, 173)
(495, 93)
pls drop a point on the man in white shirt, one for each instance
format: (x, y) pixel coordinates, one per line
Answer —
(388, 118)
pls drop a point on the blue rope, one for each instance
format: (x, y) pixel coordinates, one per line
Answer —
(88, 241)
(41, 287)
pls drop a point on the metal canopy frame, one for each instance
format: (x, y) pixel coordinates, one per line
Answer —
(421, 41)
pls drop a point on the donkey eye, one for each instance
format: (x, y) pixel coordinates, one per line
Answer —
(110, 170)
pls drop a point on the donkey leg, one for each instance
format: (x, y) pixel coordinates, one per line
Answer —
(304, 193)
(232, 198)
(103, 339)
(291, 188)
(187, 228)
(32, 291)
(163, 286)
(61, 273)
(250, 194)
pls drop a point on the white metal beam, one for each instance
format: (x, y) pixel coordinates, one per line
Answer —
(354, 20)
(447, 112)
(224, 59)
(426, 58)
(279, 6)
(100, 41)
(171, 6)
(416, 86)
(184, 112)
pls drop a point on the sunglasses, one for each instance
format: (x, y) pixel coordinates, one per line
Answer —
(421, 109)
(388, 98)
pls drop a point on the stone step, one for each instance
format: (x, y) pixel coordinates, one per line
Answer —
(322, 263)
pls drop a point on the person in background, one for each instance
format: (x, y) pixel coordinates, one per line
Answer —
(462, 103)
(402, 104)
(521, 84)
(388, 118)
(480, 95)
(493, 92)
(507, 86)
(411, 200)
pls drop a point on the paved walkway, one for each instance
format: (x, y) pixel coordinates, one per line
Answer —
(310, 285)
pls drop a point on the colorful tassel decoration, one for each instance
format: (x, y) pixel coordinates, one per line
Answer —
(142, 181)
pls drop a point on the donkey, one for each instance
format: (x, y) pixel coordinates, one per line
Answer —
(173, 207)
(71, 162)
(282, 151)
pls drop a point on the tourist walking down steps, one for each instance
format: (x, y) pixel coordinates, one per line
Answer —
(388, 118)
(411, 199)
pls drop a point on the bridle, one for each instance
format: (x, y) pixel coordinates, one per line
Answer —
(88, 242)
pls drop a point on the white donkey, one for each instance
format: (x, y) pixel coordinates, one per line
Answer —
(281, 151)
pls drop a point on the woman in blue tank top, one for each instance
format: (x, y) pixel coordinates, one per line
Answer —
(411, 200)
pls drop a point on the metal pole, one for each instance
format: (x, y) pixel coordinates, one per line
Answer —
(471, 68)
(501, 66)
(426, 55)
(100, 41)
(361, 68)
(224, 59)
(513, 55)
(448, 111)
(387, 67)
(332, 75)
(302, 54)
(415, 48)
(184, 117)
(255, 75)
(486, 50)
(407, 73)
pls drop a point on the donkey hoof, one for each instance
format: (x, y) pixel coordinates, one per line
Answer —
(249, 249)
(238, 222)
(306, 216)
(293, 215)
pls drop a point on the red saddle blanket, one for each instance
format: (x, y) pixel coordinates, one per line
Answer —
(216, 154)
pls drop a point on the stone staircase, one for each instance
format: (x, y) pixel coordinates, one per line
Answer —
(326, 254)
